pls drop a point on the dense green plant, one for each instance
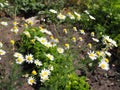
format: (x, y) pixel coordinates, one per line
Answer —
(32, 7)
(59, 64)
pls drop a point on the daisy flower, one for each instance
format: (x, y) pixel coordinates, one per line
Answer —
(78, 15)
(89, 45)
(43, 79)
(29, 58)
(50, 67)
(61, 16)
(45, 72)
(109, 42)
(12, 42)
(48, 44)
(70, 15)
(20, 60)
(67, 46)
(16, 54)
(65, 31)
(74, 28)
(27, 34)
(80, 38)
(42, 40)
(31, 81)
(4, 23)
(73, 39)
(104, 65)
(92, 55)
(51, 57)
(53, 11)
(2, 52)
(34, 72)
(82, 32)
(15, 29)
(38, 63)
(92, 34)
(15, 23)
(60, 50)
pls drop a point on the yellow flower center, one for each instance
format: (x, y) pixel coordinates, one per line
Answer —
(34, 72)
(106, 60)
(44, 74)
(103, 66)
(42, 41)
(19, 59)
(98, 53)
(29, 58)
(32, 81)
(92, 54)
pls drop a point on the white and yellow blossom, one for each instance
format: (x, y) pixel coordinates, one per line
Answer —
(44, 75)
(12, 42)
(92, 34)
(44, 30)
(104, 65)
(74, 28)
(15, 29)
(65, 31)
(109, 42)
(82, 32)
(29, 58)
(27, 34)
(51, 67)
(2, 52)
(4, 23)
(42, 40)
(17, 54)
(70, 15)
(61, 16)
(67, 46)
(80, 38)
(26, 25)
(34, 72)
(38, 63)
(48, 44)
(92, 55)
(51, 57)
(60, 50)
(74, 39)
(53, 11)
(45, 72)
(78, 15)
(20, 60)
(31, 80)
(90, 45)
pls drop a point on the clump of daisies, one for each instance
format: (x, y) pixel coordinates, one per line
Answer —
(103, 55)
(40, 52)
(63, 16)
